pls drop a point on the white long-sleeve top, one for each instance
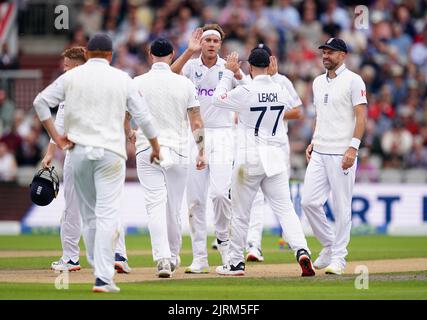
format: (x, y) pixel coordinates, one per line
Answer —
(97, 97)
(261, 132)
(206, 80)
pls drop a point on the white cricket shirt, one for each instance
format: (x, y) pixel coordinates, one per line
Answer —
(334, 100)
(205, 80)
(261, 105)
(168, 96)
(97, 97)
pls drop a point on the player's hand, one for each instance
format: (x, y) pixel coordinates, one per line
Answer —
(349, 158)
(272, 67)
(64, 143)
(308, 152)
(47, 161)
(195, 40)
(132, 137)
(233, 63)
(155, 155)
(201, 162)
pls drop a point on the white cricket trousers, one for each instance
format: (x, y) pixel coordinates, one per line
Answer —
(99, 183)
(163, 192)
(256, 224)
(215, 178)
(325, 174)
(256, 221)
(71, 221)
(276, 191)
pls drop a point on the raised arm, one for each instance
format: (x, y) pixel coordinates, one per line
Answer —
(193, 47)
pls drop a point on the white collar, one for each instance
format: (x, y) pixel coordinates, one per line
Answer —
(217, 63)
(102, 60)
(160, 66)
(262, 78)
(337, 72)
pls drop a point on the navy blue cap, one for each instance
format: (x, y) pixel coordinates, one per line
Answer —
(259, 57)
(161, 47)
(335, 44)
(100, 42)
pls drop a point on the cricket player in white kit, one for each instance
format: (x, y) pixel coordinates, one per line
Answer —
(340, 100)
(70, 224)
(260, 158)
(172, 101)
(97, 97)
(254, 251)
(205, 72)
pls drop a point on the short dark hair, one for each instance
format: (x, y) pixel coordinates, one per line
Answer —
(75, 53)
(216, 27)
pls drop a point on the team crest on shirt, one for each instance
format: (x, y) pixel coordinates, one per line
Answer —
(325, 99)
(198, 75)
(220, 75)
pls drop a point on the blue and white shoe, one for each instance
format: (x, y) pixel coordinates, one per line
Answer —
(62, 266)
(101, 286)
(121, 264)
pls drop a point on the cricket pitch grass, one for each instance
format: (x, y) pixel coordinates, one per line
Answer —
(379, 267)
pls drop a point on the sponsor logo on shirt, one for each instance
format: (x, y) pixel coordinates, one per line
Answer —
(220, 75)
(205, 92)
(363, 93)
(198, 75)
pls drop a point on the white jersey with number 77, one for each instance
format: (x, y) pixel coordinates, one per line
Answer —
(260, 105)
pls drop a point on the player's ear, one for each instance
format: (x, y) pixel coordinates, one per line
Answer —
(171, 56)
(110, 57)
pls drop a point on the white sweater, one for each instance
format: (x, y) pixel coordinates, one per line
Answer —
(335, 100)
(97, 97)
(168, 96)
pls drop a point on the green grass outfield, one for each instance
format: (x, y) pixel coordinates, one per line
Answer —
(411, 285)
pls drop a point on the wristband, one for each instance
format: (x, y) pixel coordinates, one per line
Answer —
(355, 143)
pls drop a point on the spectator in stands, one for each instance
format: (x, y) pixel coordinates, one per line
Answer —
(7, 108)
(417, 158)
(29, 153)
(366, 170)
(12, 138)
(311, 28)
(90, 18)
(7, 164)
(7, 60)
(396, 144)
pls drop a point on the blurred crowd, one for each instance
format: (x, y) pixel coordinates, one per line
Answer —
(389, 51)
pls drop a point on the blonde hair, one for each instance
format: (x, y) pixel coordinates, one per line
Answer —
(75, 53)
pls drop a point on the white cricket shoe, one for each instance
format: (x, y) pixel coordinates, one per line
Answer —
(61, 266)
(230, 270)
(255, 255)
(334, 268)
(164, 268)
(101, 286)
(323, 260)
(223, 249)
(197, 267)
